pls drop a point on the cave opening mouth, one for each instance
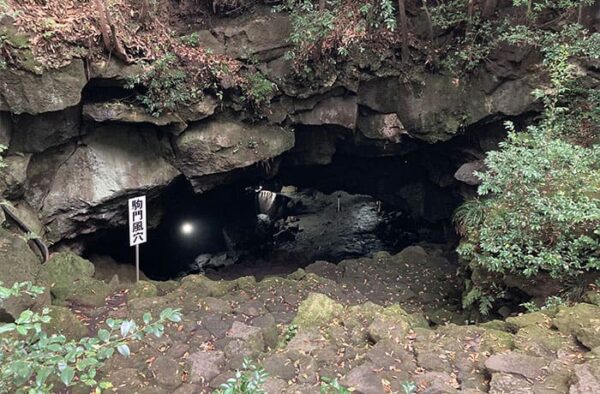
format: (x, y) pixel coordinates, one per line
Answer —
(350, 208)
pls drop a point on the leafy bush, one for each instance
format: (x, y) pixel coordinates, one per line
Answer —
(31, 360)
(544, 210)
(191, 40)
(259, 89)
(165, 86)
(248, 380)
(338, 27)
(539, 205)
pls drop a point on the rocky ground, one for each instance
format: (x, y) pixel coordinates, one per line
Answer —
(366, 322)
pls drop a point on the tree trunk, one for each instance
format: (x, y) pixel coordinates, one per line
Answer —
(403, 29)
(109, 32)
(429, 22)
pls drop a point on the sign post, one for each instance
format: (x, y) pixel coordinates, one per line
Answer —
(137, 228)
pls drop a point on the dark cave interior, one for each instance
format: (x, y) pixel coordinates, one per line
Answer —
(408, 198)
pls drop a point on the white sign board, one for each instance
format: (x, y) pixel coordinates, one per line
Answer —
(137, 221)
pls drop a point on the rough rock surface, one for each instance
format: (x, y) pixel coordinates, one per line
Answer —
(305, 326)
(111, 163)
(325, 328)
(24, 92)
(121, 112)
(223, 145)
(18, 263)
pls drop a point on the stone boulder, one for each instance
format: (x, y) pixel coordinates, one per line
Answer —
(223, 145)
(54, 90)
(205, 366)
(69, 278)
(36, 133)
(586, 378)
(127, 113)
(466, 172)
(18, 263)
(434, 107)
(265, 37)
(317, 310)
(64, 322)
(529, 367)
(112, 162)
(64, 269)
(13, 176)
(581, 321)
(338, 111)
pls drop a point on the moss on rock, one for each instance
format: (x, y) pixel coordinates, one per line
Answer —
(201, 286)
(528, 319)
(542, 341)
(582, 321)
(63, 271)
(142, 289)
(317, 310)
(17, 264)
(592, 297)
(89, 291)
(495, 341)
(64, 322)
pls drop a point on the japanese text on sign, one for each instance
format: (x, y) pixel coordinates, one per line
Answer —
(137, 220)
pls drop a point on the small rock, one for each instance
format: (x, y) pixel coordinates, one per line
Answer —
(364, 380)
(517, 363)
(587, 378)
(166, 371)
(279, 366)
(383, 327)
(249, 334)
(251, 308)
(206, 366)
(503, 383)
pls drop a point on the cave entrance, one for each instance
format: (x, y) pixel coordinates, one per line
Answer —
(349, 208)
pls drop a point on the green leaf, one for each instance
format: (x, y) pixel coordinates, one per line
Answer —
(166, 313)
(103, 335)
(124, 350)
(126, 327)
(7, 328)
(147, 317)
(105, 385)
(67, 375)
(42, 375)
(21, 330)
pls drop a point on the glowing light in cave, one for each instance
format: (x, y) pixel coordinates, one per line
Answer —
(187, 228)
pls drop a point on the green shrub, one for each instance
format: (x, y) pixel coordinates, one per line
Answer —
(259, 89)
(191, 40)
(165, 86)
(539, 205)
(248, 380)
(31, 359)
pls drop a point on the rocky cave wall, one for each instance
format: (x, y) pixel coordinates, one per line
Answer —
(77, 150)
